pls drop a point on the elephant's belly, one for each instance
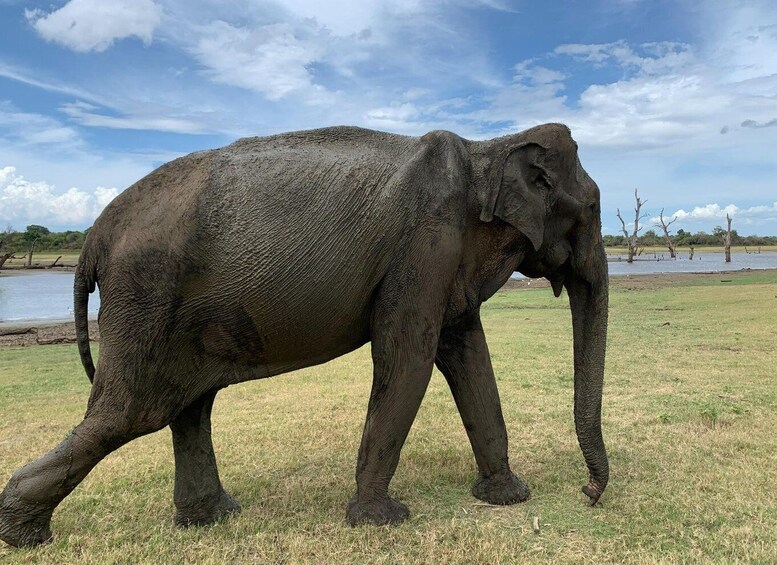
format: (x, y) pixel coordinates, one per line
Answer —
(261, 341)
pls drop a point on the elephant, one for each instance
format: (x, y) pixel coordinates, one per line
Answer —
(277, 253)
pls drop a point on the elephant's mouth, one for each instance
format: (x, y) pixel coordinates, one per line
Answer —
(552, 265)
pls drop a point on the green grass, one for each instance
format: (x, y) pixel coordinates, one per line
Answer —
(690, 419)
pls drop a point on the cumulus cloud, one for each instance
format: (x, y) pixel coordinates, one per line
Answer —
(716, 211)
(93, 25)
(271, 59)
(27, 201)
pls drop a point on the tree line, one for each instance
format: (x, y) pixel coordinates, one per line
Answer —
(633, 241)
(687, 239)
(36, 238)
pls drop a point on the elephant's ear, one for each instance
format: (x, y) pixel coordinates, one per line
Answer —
(517, 190)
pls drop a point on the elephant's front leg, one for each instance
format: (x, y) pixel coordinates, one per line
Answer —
(462, 356)
(404, 341)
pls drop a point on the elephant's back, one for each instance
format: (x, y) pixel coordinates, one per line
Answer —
(299, 234)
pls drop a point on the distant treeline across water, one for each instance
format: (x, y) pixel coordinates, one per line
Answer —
(687, 239)
(73, 240)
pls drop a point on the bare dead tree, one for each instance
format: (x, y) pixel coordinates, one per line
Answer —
(631, 239)
(664, 225)
(727, 239)
(5, 255)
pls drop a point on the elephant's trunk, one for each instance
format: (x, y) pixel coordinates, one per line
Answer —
(588, 297)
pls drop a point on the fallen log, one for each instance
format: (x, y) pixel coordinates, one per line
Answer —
(55, 340)
(18, 331)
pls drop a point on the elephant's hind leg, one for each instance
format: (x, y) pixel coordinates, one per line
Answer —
(35, 490)
(199, 497)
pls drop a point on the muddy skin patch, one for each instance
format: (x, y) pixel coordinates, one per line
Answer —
(233, 337)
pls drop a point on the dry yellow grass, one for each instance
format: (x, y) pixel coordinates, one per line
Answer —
(45, 258)
(690, 419)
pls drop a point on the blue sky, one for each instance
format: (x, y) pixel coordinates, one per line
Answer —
(675, 98)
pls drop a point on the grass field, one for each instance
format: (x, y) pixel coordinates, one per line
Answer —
(690, 419)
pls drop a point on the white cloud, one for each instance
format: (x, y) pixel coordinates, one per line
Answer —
(342, 17)
(19, 75)
(39, 202)
(27, 128)
(745, 39)
(527, 72)
(103, 197)
(93, 25)
(348, 17)
(715, 211)
(87, 115)
(271, 59)
(402, 112)
(668, 96)
(657, 58)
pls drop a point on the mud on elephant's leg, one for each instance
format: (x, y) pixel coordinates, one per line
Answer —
(397, 390)
(462, 357)
(35, 490)
(403, 356)
(199, 497)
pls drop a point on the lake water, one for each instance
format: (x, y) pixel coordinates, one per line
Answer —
(702, 263)
(39, 296)
(651, 264)
(49, 296)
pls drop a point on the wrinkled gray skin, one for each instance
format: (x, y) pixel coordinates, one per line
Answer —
(278, 253)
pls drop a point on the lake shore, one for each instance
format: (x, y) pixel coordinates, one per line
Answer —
(47, 332)
(645, 281)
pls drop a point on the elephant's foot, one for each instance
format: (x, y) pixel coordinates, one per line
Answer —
(501, 488)
(380, 513)
(23, 524)
(206, 510)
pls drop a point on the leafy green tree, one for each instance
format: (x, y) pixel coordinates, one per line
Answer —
(613, 241)
(32, 235)
(650, 237)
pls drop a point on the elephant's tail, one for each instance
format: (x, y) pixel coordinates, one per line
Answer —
(85, 280)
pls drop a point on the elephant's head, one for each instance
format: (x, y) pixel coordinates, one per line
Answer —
(536, 184)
